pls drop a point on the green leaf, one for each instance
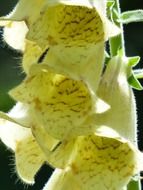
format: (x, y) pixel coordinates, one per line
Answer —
(131, 16)
(110, 3)
(133, 61)
(134, 185)
(133, 81)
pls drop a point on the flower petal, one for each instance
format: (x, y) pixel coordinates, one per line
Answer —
(111, 29)
(31, 11)
(29, 159)
(57, 152)
(103, 158)
(75, 41)
(31, 55)
(60, 104)
(95, 158)
(73, 47)
(100, 5)
(19, 121)
(10, 133)
(28, 155)
(115, 90)
(20, 114)
(85, 27)
(14, 34)
(79, 63)
(62, 179)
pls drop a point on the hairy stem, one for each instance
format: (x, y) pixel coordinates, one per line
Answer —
(117, 42)
(138, 73)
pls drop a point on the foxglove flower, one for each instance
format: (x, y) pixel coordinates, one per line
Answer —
(109, 152)
(28, 155)
(69, 35)
(109, 158)
(58, 103)
(91, 144)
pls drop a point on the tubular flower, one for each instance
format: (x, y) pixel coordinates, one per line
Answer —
(60, 104)
(110, 153)
(28, 155)
(95, 158)
(105, 149)
(71, 36)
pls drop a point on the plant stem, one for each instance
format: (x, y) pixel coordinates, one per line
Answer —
(117, 42)
(138, 73)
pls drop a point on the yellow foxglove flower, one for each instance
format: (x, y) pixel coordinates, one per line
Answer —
(60, 104)
(115, 91)
(57, 120)
(96, 162)
(108, 153)
(109, 158)
(28, 155)
(71, 32)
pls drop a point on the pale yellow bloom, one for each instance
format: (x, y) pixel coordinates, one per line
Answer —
(91, 143)
(58, 103)
(72, 32)
(102, 152)
(96, 162)
(28, 155)
(109, 158)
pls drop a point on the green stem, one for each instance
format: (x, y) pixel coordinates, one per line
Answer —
(117, 42)
(138, 73)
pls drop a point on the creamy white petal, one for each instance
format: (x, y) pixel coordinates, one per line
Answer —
(61, 105)
(14, 34)
(79, 63)
(25, 11)
(103, 158)
(12, 125)
(61, 180)
(28, 159)
(115, 90)
(95, 158)
(19, 114)
(57, 152)
(10, 133)
(28, 155)
(31, 55)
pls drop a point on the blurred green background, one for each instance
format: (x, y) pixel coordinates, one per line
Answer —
(10, 75)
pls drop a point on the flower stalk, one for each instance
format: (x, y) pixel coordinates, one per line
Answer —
(117, 42)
